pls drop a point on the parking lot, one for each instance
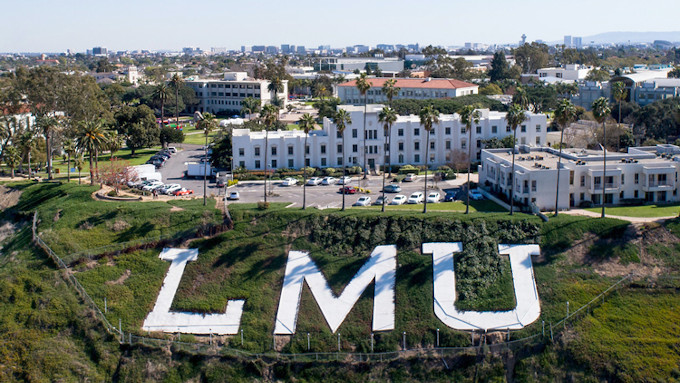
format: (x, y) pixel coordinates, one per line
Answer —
(321, 196)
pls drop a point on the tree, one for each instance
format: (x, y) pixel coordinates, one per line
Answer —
(138, 125)
(619, 94)
(307, 124)
(341, 120)
(601, 110)
(515, 116)
(176, 82)
(270, 114)
(275, 87)
(169, 134)
(207, 124)
(114, 142)
(91, 138)
(468, 116)
(490, 89)
(531, 57)
(565, 114)
(599, 75)
(499, 67)
(27, 143)
(48, 124)
(458, 160)
(161, 95)
(390, 89)
(12, 157)
(521, 98)
(70, 148)
(250, 105)
(327, 108)
(388, 117)
(675, 73)
(363, 86)
(428, 117)
(78, 163)
(117, 172)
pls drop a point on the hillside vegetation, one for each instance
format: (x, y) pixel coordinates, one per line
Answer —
(632, 336)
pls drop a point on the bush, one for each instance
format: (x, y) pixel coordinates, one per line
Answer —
(406, 169)
(262, 205)
(232, 182)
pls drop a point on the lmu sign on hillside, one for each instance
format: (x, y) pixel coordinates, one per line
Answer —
(380, 268)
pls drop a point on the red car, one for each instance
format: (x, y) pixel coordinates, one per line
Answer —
(183, 191)
(348, 190)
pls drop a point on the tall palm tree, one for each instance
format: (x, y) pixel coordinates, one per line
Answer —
(208, 124)
(78, 163)
(270, 114)
(70, 148)
(307, 123)
(250, 105)
(428, 117)
(27, 143)
(521, 98)
(388, 117)
(363, 85)
(515, 117)
(91, 138)
(160, 93)
(176, 82)
(619, 94)
(341, 119)
(48, 124)
(275, 87)
(390, 89)
(601, 110)
(565, 114)
(468, 116)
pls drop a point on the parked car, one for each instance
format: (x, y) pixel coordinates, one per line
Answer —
(363, 201)
(289, 181)
(344, 180)
(348, 190)
(153, 185)
(450, 196)
(416, 197)
(172, 149)
(233, 196)
(399, 199)
(379, 201)
(220, 183)
(410, 177)
(329, 181)
(434, 197)
(476, 195)
(183, 191)
(169, 188)
(314, 181)
(392, 189)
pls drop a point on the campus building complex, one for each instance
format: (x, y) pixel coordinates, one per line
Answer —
(643, 174)
(408, 141)
(223, 95)
(411, 88)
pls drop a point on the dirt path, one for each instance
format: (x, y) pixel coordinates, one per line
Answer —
(8, 197)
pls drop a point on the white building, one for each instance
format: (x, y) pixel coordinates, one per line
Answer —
(350, 64)
(643, 174)
(412, 88)
(408, 140)
(225, 95)
(568, 73)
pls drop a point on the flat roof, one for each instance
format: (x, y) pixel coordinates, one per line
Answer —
(422, 83)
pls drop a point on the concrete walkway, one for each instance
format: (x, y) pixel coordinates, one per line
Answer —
(588, 213)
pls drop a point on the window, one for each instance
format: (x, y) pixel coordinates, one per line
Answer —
(416, 145)
(479, 143)
(338, 134)
(323, 149)
(494, 129)
(307, 161)
(432, 145)
(290, 163)
(241, 152)
(242, 164)
(583, 181)
(400, 132)
(432, 132)
(323, 161)
(401, 158)
(355, 133)
(416, 158)
(257, 152)
(339, 160)
(463, 144)
(462, 130)
(290, 150)
(307, 149)
(635, 194)
(524, 129)
(582, 197)
(339, 148)
(355, 148)
(507, 129)
(538, 128)
(401, 146)
(533, 185)
(571, 177)
(597, 181)
(257, 164)
(623, 179)
(273, 150)
(447, 131)
(538, 140)
(274, 163)
(416, 132)
(448, 145)
(479, 130)
(637, 179)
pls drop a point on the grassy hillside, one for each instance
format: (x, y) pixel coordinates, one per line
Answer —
(631, 337)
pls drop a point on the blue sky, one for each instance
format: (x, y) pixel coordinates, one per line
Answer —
(57, 25)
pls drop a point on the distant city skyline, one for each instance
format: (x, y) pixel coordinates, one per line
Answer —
(78, 25)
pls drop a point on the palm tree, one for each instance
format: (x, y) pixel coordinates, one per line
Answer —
(363, 86)
(27, 143)
(307, 123)
(160, 93)
(428, 117)
(91, 138)
(12, 157)
(78, 163)
(565, 113)
(48, 124)
(515, 117)
(521, 98)
(468, 116)
(270, 114)
(341, 120)
(390, 90)
(207, 123)
(275, 87)
(388, 117)
(70, 148)
(250, 105)
(114, 142)
(176, 82)
(601, 110)
(619, 94)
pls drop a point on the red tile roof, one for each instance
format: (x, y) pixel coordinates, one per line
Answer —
(435, 83)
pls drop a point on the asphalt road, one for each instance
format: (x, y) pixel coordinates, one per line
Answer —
(317, 196)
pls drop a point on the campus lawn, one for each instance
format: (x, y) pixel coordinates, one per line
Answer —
(197, 137)
(665, 210)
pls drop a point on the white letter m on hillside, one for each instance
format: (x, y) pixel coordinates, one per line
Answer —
(381, 267)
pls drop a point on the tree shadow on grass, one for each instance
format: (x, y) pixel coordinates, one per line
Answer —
(136, 231)
(236, 255)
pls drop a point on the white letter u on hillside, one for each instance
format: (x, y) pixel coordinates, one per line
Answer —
(528, 308)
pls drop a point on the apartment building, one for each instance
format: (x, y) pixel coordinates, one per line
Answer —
(412, 88)
(643, 174)
(226, 94)
(408, 141)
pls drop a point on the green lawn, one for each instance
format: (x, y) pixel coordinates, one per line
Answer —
(457, 206)
(198, 138)
(666, 210)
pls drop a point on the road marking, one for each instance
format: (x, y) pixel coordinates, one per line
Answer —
(291, 205)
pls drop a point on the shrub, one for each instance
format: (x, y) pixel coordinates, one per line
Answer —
(409, 169)
(262, 205)
(232, 182)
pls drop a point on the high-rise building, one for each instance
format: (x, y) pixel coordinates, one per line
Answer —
(567, 41)
(577, 42)
(99, 51)
(301, 49)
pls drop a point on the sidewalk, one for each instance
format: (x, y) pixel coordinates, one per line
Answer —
(588, 213)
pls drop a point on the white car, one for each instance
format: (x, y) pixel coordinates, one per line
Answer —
(329, 181)
(410, 177)
(344, 180)
(313, 181)
(476, 195)
(416, 197)
(169, 188)
(289, 181)
(233, 196)
(399, 199)
(379, 201)
(363, 201)
(152, 186)
(434, 197)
